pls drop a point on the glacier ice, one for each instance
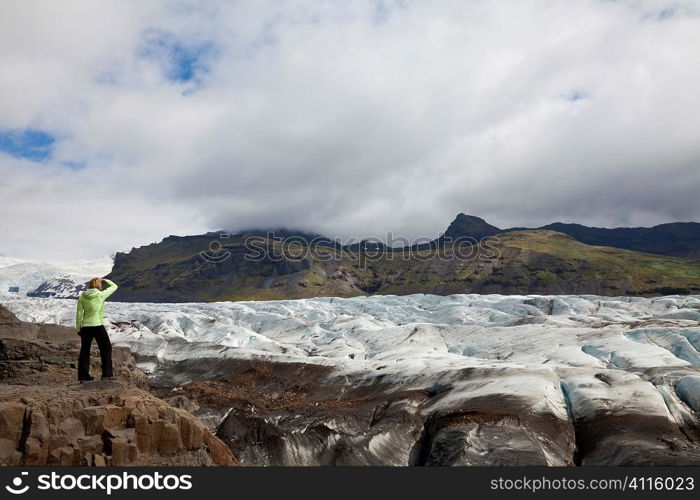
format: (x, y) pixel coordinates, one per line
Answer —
(588, 361)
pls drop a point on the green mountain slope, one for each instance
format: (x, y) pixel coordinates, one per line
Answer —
(679, 239)
(519, 262)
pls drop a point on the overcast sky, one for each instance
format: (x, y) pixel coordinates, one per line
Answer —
(123, 122)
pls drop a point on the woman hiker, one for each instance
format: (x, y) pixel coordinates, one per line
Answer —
(88, 322)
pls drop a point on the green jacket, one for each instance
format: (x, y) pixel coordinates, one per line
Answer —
(91, 303)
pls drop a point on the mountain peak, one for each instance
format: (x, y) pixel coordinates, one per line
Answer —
(470, 226)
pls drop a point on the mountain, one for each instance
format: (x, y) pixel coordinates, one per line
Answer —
(679, 239)
(24, 276)
(179, 269)
(469, 226)
(60, 279)
(62, 286)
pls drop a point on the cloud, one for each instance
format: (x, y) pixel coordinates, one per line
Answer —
(347, 118)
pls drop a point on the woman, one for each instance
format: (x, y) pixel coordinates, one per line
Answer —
(88, 322)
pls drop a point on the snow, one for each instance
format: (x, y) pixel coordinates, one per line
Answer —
(61, 275)
(561, 355)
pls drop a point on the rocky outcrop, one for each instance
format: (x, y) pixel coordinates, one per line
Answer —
(11, 327)
(46, 418)
(101, 424)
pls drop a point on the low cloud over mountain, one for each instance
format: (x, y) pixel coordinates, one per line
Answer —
(125, 121)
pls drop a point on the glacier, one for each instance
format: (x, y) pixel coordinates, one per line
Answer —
(472, 379)
(59, 279)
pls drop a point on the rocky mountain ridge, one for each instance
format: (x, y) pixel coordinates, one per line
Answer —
(185, 268)
(517, 262)
(679, 239)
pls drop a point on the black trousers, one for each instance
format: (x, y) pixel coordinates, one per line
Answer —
(87, 333)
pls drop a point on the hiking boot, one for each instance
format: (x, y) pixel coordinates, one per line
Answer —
(86, 380)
